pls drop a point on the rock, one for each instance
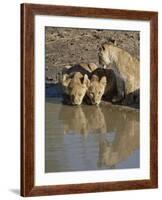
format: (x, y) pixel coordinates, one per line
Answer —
(69, 46)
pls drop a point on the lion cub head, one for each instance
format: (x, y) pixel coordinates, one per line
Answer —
(75, 86)
(96, 89)
(108, 54)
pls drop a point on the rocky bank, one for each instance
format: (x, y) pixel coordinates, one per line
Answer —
(69, 46)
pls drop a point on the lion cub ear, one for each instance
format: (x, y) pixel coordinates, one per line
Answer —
(65, 80)
(94, 78)
(103, 80)
(77, 76)
(112, 41)
(86, 80)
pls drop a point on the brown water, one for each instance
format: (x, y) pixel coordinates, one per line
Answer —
(87, 137)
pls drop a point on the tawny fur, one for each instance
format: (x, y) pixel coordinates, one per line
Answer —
(76, 81)
(127, 65)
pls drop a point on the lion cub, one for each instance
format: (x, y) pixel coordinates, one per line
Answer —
(106, 83)
(75, 81)
(127, 65)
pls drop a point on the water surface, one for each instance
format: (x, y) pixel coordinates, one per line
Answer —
(88, 137)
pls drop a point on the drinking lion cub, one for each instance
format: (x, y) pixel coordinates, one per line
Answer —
(76, 81)
(106, 83)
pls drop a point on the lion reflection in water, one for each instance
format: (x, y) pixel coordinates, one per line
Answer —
(125, 128)
(122, 123)
(83, 120)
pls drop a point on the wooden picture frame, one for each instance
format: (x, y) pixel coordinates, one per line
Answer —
(28, 12)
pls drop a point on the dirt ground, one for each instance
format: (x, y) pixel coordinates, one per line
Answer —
(69, 46)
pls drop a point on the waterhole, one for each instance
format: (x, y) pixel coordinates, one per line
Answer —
(87, 137)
